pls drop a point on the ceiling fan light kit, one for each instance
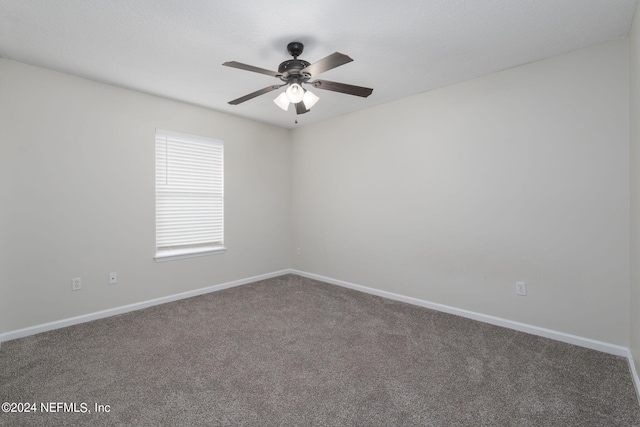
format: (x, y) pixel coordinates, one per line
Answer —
(296, 94)
(296, 72)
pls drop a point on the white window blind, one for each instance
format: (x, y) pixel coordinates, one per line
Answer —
(189, 195)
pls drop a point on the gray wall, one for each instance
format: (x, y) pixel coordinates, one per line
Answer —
(78, 193)
(452, 196)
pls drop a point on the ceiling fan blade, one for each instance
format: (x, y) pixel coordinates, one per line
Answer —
(254, 94)
(242, 66)
(342, 88)
(327, 63)
(300, 108)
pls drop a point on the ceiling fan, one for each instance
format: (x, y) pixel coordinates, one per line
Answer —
(296, 72)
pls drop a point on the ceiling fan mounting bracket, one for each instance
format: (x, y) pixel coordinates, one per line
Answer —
(295, 49)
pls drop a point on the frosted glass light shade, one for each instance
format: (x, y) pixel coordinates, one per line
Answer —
(282, 101)
(295, 93)
(309, 99)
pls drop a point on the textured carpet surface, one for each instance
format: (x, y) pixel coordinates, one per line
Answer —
(292, 351)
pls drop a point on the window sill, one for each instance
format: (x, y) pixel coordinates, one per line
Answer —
(174, 254)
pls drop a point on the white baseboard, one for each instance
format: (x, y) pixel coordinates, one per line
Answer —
(32, 330)
(523, 327)
(547, 333)
(634, 374)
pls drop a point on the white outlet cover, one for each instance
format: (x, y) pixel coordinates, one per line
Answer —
(76, 284)
(113, 278)
(521, 288)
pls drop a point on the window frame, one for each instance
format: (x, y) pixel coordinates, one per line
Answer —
(169, 253)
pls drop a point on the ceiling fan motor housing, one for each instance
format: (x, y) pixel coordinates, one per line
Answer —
(292, 67)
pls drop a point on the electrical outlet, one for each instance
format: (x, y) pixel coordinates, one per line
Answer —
(113, 278)
(521, 288)
(299, 252)
(76, 284)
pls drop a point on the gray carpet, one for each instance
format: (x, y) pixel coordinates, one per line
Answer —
(291, 351)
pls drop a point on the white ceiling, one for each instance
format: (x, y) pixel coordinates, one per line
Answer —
(175, 49)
